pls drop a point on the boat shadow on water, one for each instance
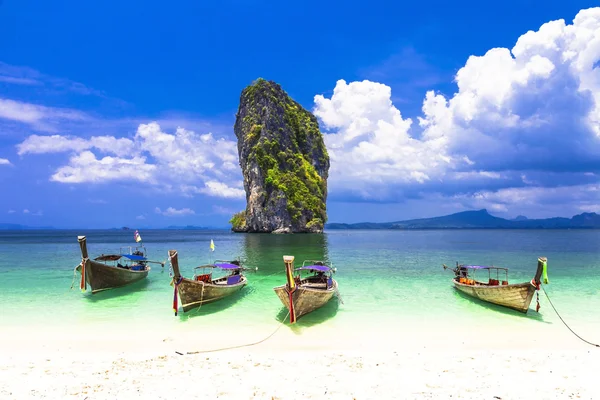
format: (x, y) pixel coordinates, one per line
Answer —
(530, 315)
(139, 286)
(319, 316)
(215, 306)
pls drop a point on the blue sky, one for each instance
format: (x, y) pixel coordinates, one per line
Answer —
(121, 113)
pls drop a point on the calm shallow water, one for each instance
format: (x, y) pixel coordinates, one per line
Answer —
(383, 276)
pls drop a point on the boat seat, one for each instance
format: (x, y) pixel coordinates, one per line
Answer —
(203, 278)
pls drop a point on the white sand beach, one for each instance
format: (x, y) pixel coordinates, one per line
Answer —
(393, 360)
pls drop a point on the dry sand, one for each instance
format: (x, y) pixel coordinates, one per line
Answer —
(373, 362)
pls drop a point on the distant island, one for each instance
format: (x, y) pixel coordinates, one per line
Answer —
(190, 227)
(480, 219)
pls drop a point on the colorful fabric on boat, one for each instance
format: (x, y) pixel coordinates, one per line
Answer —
(175, 305)
(137, 236)
(83, 283)
(545, 272)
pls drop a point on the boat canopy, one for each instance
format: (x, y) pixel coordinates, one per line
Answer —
(108, 257)
(115, 257)
(134, 257)
(222, 265)
(227, 266)
(480, 267)
(321, 268)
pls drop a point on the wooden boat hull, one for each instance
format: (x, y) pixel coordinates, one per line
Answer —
(193, 293)
(103, 277)
(517, 296)
(305, 299)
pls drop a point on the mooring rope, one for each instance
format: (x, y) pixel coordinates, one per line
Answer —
(339, 296)
(281, 323)
(563, 321)
(74, 275)
(196, 311)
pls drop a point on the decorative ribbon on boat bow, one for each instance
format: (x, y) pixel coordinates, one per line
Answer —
(175, 305)
(83, 283)
(535, 284)
(545, 271)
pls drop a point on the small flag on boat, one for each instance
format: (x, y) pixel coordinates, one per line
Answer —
(212, 245)
(137, 236)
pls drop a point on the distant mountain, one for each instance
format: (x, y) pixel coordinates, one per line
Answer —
(187, 227)
(520, 218)
(18, 227)
(480, 219)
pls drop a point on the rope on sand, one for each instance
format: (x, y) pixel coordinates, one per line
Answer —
(563, 321)
(281, 323)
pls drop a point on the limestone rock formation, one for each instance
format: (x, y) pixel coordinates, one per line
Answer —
(284, 162)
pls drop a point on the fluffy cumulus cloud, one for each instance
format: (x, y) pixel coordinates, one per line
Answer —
(369, 141)
(523, 126)
(4, 161)
(85, 167)
(183, 161)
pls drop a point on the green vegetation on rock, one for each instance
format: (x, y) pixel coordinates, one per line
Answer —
(238, 221)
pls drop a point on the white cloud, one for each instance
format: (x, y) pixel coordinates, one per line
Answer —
(531, 199)
(369, 141)
(173, 212)
(11, 211)
(85, 167)
(520, 118)
(18, 81)
(4, 161)
(25, 211)
(526, 107)
(140, 217)
(185, 162)
(36, 144)
(38, 116)
(97, 201)
(220, 189)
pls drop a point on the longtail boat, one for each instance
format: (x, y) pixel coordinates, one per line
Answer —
(202, 288)
(498, 291)
(302, 295)
(110, 271)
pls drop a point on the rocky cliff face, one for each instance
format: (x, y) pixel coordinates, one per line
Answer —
(284, 162)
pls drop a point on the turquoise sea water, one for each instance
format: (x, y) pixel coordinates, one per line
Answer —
(382, 276)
